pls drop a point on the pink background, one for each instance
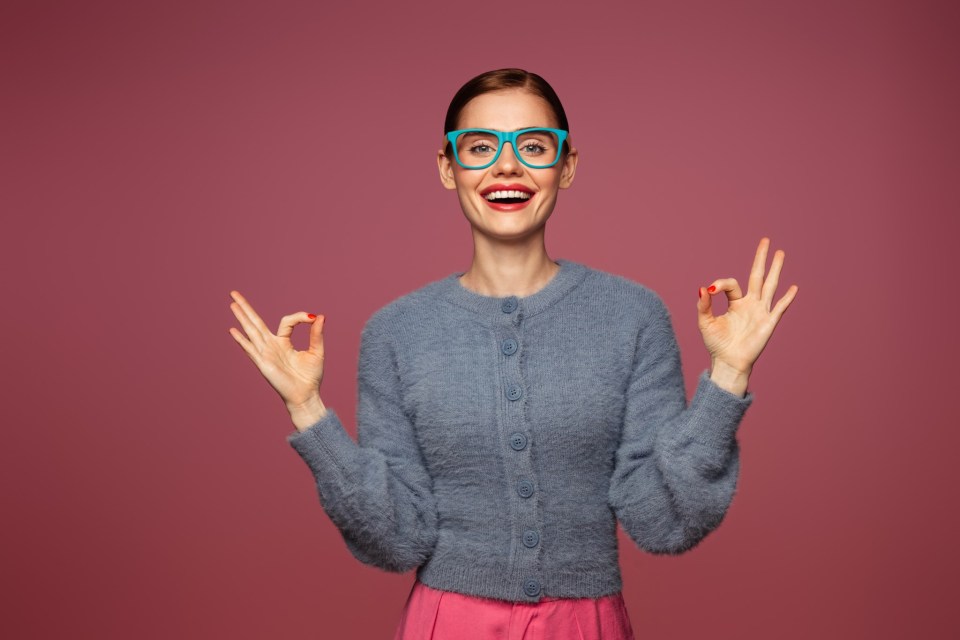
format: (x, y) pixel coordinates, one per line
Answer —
(153, 159)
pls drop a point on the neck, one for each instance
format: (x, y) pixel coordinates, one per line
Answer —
(502, 269)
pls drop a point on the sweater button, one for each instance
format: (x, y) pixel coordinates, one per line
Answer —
(518, 441)
(530, 538)
(525, 488)
(509, 304)
(514, 391)
(531, 587)
(509, 346)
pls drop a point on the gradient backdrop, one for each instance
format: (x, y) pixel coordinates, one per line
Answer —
(157, 155)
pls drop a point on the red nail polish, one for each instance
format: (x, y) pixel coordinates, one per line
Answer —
(311, 316)
(699, 292)
(712, 288)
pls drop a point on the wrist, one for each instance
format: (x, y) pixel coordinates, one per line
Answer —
(731, 378)
(307, 413)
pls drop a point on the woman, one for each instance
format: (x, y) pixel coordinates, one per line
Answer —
(509, 415)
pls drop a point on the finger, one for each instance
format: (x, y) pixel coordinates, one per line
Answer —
(704, 306)
(255, 319)
(784, 302)
(243, 342)
(755, 282)
(287, 323)
(728, 286)
(316, 336)
(773, 278)
(248, 327)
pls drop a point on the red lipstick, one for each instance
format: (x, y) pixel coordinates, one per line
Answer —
(507, 206)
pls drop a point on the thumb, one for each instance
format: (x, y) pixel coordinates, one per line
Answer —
(316, 336)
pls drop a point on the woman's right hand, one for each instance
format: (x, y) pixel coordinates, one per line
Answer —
(295, 375)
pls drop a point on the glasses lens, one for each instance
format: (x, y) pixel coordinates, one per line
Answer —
(476, 148)
(537, 147)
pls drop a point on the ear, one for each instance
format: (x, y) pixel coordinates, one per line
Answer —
(569, 167)
(446, 170)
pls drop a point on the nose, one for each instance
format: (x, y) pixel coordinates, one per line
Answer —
(507, 163)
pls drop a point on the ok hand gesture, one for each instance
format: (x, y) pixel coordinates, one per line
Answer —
(296, 375)
(736, 338)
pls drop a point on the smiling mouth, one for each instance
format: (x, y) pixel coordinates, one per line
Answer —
(507, 197)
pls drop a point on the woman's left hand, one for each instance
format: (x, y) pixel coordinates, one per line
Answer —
(736, 338)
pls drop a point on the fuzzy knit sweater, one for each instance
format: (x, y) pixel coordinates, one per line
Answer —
(500, 439)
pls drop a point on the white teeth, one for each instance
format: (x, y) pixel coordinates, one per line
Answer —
(496, 195)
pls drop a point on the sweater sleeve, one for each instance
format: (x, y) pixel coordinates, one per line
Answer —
(376, 490)
(676, 467)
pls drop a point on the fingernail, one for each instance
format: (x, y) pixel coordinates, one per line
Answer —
(699, 292)
(311, 316)
(712, 288)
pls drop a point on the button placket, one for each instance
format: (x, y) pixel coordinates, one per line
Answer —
(516, 430)
(511, 380)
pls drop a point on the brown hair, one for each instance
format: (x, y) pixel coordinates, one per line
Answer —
(510, 78)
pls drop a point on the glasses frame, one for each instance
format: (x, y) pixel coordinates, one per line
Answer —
(503, 137)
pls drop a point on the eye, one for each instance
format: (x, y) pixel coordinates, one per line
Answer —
(536, 143)
(533, 148)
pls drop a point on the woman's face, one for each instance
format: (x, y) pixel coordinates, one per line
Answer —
(507, 110)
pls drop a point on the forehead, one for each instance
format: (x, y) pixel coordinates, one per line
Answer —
(507, 110)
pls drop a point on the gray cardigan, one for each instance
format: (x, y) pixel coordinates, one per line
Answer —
(500, 439)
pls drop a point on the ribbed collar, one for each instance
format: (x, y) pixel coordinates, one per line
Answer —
(566, 278)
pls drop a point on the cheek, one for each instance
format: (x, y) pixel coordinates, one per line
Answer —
(549, 182)
(465, 194)
(466, 183)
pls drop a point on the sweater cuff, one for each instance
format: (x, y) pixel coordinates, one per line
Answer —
(326, 447)
(717, 413)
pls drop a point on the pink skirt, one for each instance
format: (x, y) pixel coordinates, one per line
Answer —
(430, 614)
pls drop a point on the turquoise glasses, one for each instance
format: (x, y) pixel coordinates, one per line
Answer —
(537, 148)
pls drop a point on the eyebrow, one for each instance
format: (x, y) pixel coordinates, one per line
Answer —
(510, 131)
